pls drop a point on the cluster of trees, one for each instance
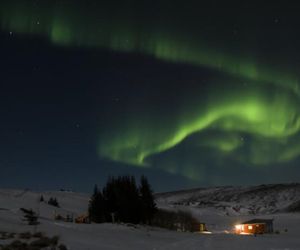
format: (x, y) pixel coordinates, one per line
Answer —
(176, 220)
(52, 201)
(121, 200)
(30, 216)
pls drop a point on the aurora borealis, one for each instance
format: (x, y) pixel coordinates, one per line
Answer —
(207, 92)
(63, 25)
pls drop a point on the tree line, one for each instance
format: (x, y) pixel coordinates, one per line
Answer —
(122, 200)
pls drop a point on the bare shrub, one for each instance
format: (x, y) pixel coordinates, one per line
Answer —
(174, 220)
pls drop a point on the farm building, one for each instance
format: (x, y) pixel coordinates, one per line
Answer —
(84, 218)
(255, 226)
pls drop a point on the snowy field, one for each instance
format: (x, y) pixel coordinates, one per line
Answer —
(114, 236)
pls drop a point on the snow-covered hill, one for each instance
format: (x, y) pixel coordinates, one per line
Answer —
(253, 200)
(69, 202)
(123, 237)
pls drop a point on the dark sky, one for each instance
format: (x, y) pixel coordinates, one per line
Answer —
(188, 93)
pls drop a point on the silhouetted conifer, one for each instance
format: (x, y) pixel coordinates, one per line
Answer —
(147, 201)
(121, 200)
(30, 216)
(96, 207)
(42, 198)
(53, 202)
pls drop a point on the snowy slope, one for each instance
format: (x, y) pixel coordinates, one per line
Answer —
(114, 236)
(70, 203)
(263, 199)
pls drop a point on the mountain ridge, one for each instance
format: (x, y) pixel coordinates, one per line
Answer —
(235, 200)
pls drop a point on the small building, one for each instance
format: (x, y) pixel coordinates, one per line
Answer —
(202, 227)
(82, 219)
(199, 227)
(255, 226)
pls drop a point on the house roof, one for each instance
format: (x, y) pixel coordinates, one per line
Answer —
(258, 221)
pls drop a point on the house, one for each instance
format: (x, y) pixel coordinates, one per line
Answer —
(255, 226)
(82, 219)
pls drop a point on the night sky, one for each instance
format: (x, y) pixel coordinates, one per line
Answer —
(189, 94)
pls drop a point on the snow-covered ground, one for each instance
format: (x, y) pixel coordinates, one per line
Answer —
(114, 236)
(235, 200)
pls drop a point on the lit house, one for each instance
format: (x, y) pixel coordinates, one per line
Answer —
(255, 226)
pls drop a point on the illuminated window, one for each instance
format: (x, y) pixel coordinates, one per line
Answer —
(250, 227)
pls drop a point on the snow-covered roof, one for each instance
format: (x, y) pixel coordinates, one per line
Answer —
(254, 221)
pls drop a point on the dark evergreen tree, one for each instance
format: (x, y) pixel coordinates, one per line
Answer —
(96, 207)
(42, 198)
(128, 202)
(30, 216)
(121, 200)
(53, 202)
(147, 201)
(110, 195)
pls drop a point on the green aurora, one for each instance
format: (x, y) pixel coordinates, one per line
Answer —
(257, 123)
(272, 120)
(63, 25)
